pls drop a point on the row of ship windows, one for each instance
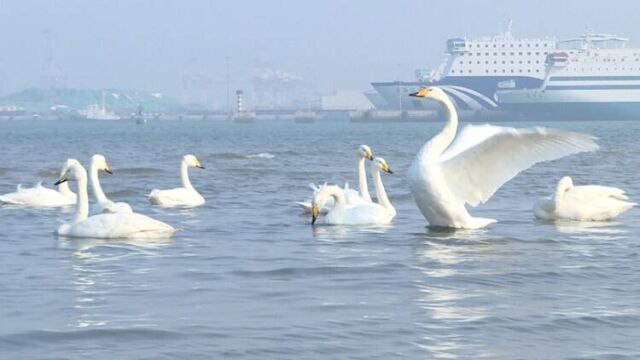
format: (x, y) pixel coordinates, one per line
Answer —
(505, 45)
(504, 53)
(503, 61)
(453, 71)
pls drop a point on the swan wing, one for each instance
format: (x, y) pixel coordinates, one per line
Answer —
(119, 225)
(488, 156)
(596, 191)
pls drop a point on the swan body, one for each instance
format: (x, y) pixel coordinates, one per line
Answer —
(344, 214)
(106, 225)
(40, 196)
(352, 196)
(450, 172)
(183, 196)
(582, 203)
(103, 204)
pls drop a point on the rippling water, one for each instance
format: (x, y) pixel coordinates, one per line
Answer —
(248, 277)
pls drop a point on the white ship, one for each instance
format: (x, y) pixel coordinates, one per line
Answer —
(97, 112)
(591, 76)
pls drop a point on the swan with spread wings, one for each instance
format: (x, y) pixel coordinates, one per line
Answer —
(452, 171)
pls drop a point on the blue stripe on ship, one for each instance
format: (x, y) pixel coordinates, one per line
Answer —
(591, 87)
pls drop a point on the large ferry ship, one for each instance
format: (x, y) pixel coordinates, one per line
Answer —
(590, 76)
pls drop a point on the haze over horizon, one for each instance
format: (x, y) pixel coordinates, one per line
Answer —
(331, 45)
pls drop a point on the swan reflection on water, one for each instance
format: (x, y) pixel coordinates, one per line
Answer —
(93, 278)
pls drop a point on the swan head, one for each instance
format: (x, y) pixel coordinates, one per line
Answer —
(192, 161)
(365, 151)
(72, 170)
(381, 164)
(321, 197)
(434, 93)
(564, 185)
(100, 162)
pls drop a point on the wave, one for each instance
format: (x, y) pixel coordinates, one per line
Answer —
(137, 171)
(237, 156)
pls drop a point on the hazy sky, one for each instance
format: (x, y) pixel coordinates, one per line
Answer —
(333, 44)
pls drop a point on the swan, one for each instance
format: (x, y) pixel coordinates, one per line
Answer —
(343, 213)
(377, 165)
(183, 196)
(40, 196)
(104, 205)
(352, 196)
(446, 174)
(582, 203)
(108, 225)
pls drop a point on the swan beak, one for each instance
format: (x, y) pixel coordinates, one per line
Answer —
(108, 171)
(369, 156)
(315, 212)
(388, 171)
(199, 166)
(424, 92)
(64, 178)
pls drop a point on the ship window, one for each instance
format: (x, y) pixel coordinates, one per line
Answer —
(511, 53)
(503, 54)
(503, 61)
(511, 45)
(486, 62)
(495, 62)
(487, 54)
(486, 71)
(494, 45)
(512, 61)
(453, 71)
(537, 45)
(511, 70)
(503, 71)
(545, 45)
(470, 62)
(537, 70)
(478, 54)
(528, 52)
(520, 61)
(520, 70)
(520, 53)
(478, 62)
(537, 53)
(519, 45)
(529, 70)
(495, 71)
(494, 54)
(528, 45)
(528, 61)
(537, 61)
(545, 53)
(486, 45)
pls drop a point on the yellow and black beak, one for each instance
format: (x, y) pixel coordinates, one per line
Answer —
(108, 170)
(199, 165)
(387, 169)
(369, 155)
(63, 178)
(424, 92)
(315, 212)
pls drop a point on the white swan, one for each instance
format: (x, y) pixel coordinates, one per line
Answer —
(445, 175)
(103, 204)
(105, 226)
(183, 196)
(377, 165)
(344, 214)
(582, 203)
(352, 196)
(40, 196)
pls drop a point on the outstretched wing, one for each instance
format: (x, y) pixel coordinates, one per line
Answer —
(486, 157)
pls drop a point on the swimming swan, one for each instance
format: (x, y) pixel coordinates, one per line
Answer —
(582, 203)
(105, 226)
(103, 204)
(352, 196)
(40, 196)
(183, 196)
(446, 174)
(344, 214)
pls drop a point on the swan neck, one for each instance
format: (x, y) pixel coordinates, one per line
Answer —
(184, 175)
(95, 185)
(441, 141)
(363, 187)
(82, 202)
(381, 193)
(338, 196)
